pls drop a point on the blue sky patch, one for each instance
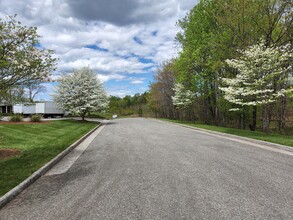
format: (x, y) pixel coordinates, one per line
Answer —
(154, 33)
(39, 46)
(140, 59)
(95, 47)
(137, 40)
(144, 60)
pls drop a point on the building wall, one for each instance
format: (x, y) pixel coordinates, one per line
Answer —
(5, 109)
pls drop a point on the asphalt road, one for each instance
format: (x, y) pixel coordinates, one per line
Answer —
(146, 169)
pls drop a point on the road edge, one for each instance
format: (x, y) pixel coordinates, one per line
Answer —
(7, 197)
(254, 141)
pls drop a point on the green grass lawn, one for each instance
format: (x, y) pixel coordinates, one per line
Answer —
(274, 137)
(39, 143)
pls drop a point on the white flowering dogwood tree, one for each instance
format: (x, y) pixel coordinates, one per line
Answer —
(264, 77)
(183, 97)
(21, 61)
(81, 92)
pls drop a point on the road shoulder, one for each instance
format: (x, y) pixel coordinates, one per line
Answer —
(244, 140)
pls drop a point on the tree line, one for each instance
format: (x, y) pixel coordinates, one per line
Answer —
(135, 105)
(234, 67)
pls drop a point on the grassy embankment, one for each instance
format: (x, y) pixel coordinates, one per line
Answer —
(258, 135)
(39, 143)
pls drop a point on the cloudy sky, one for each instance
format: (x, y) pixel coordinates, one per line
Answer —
(122, 40)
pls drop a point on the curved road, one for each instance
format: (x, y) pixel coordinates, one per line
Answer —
(147, 169)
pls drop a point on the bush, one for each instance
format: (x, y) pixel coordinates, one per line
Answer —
(140, 112)
(36, 118)
(15, 118)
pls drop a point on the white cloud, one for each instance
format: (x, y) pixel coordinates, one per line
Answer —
(67, 31)
(121, 93)
(137, 81)
(105, 78)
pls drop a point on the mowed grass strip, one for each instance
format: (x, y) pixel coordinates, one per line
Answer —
(258, 135)
(39, 143)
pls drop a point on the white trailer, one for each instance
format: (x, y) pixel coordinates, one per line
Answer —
(17, 108)
(47, 109)
(25, 109)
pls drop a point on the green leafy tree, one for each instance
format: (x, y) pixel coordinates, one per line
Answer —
(199, 65)
(212, 32)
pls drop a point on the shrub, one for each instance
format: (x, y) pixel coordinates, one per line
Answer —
(140, 112)
(36, 118)
(15, 118)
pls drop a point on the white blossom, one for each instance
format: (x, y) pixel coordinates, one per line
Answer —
(81, 92)
(20, 60)
(183, 97)
(264, 75)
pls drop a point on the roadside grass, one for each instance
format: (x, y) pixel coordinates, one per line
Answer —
(258, 135)
(39, 143)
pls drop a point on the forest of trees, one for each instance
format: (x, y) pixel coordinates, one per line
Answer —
(234, 68)
(129, 105)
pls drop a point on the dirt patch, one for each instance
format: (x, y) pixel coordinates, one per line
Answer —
(5, 153)
(24, 122)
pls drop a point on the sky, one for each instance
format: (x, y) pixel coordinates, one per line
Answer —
(123, 41)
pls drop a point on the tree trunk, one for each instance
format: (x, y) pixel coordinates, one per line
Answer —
(282, 115)
(241, 120)
(266, 119)
(254, 115)
(217, 118)
(82, 116)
